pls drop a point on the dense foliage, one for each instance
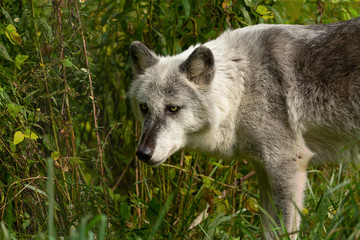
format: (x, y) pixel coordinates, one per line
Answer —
(64, 76)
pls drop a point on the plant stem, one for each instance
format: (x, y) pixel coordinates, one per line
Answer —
(137, 171)
(51, 199)
(175, 23)
(45, 78)
(57, 11)
(93, 104)
(91, 91)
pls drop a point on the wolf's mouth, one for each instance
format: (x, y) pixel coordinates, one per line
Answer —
(156, 164)
(152, 163)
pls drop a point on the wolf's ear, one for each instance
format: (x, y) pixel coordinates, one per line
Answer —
(199, 66)
(141, 57)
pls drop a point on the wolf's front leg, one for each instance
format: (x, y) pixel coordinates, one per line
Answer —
(282, 185)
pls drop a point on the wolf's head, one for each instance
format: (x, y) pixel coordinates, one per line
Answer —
(167, 96)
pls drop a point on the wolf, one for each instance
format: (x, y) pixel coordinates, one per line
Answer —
(281, 96)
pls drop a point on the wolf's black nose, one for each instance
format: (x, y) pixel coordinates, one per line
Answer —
(144, 153)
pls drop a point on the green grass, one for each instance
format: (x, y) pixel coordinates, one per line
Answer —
(333, 203)
(332, 210)
(49, 109)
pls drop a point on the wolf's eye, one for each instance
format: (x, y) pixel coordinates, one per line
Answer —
(173, 108)
(144, 107)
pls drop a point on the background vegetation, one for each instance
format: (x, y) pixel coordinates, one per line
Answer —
(67, 135)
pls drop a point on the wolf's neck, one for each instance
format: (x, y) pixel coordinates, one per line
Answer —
(223, 100)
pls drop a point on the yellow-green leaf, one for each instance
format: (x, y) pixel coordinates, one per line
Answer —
(111, 193)
(55, 155)
(252, 205)
(188, 160)
(305, 211)
(267, 16)
(19, 60)
(88, 126)
(13, 35)
(261, 9)
(225, 5)
(207, 182)
(67, 63)
(18, 137)
(30, 134)
(74, 160)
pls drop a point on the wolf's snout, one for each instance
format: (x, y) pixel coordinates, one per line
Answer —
(144, 153)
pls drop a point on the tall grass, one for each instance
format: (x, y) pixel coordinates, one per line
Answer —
(67, 135)
(51, 199)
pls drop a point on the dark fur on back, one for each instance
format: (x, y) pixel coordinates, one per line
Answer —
(329, 67)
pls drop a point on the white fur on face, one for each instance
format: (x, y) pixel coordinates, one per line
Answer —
(169, 140)
(159, 90)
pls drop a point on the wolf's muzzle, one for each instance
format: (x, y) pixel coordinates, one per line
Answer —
(148, 139)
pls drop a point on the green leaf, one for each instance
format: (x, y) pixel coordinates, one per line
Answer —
(67, 63)
(30, 134)
(119, 198)
(352, 11)
(2, 29)
(14, 109)
(12, 147)
(36, 190)
(26, 223)
(252, 205)
(277, 15)
(267, 17)
(13, 35)
(188, 159)
(18, 137)
(55, 155)
(111, 193)
(7, 15)
(172, 174)
(46, 30)
(19, 60)
(74, 160)
(125, 210)
(246, 15)
(102, 228)
(261, 9)
(6, 73)
(153, 211)
(4, 53)
(186, 5)
(249, 3)
(207, 182)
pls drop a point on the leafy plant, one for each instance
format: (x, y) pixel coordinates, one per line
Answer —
(64, 76)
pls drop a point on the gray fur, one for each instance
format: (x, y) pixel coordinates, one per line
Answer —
(283, 96)
(199, 66)
(142, 57)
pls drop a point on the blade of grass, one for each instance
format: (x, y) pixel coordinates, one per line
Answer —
(102, 228)
(51, 200)
(5, 235)
(162, 214)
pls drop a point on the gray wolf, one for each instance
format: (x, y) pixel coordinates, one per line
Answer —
(282, 96)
